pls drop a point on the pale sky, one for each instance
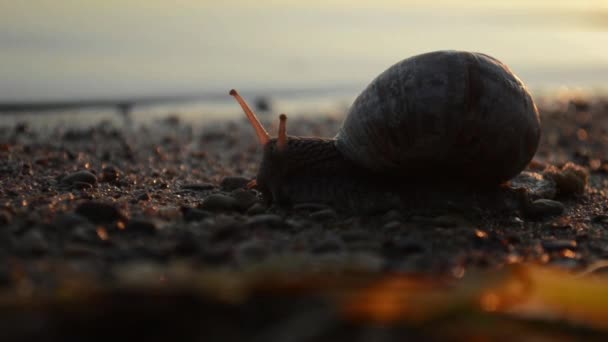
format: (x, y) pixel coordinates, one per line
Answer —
(59, 49)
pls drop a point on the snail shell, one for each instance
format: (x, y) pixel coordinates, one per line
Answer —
(458, 112)
(450, 117)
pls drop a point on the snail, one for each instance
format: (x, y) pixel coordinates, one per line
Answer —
(449, 117)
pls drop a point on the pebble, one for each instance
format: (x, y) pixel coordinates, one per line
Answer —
(536, 185)
(69, 221)
(310, 206)
(392, 225)
(329, 244)
(99, 212)
(323, 215)
(81, 185)
(84, 234)
(228, 231)
(355, 235)
(233, 183)
(256, 209)
(198, 187)
(252, 250)
(217, 254)
(570, 180)
(244, 198)
(558, 245)
(144, 196)
(266, 220)
(110, 174)
(34, 243)
(80, 177)
(195, 214)
(544, 208)
(391, 216)
(140, 225)
(218, 202)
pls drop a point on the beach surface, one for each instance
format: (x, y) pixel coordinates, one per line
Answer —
(115, 202)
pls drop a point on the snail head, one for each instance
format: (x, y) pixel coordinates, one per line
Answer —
(276, 166)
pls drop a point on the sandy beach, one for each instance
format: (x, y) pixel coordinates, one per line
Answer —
(110, 200)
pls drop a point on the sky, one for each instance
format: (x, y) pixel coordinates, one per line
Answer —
(86, 49)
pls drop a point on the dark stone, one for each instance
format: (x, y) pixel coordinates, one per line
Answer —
(323, 215)
(144, 196)
(218, 202)
(80, 177)
(310, 206)
(140, 225)
(544, 208)
(252, 250)
(233, 183)
(266, 220)
(69, 221)
(355, 235)
(244, 198)
(194, 214)
(330, 244)
(99, 212)
(110, 174)
(256, 209)
(34, 243)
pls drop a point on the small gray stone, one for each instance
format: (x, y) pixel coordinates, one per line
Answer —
(110, 174)
(140, 225)
(79, 177)
(244, 198)
(34, 243)
(252, 250)
(69, 221)
(544, 208)
(355, 235)
(84, 234)
(256, 209)
(323, 215)
(310, 206)
(194, 214)
(143, 196)
(329, 244)
(233, 183)
(536, 184)
(266, 220)
(218, 202)
(558, 245)
(392, 225)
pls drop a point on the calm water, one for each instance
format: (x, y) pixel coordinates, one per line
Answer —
(302, 54)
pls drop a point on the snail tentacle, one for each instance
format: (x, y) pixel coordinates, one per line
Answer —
(282, 136)
(253, 119)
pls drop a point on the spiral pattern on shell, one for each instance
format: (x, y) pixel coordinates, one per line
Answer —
(459, 112)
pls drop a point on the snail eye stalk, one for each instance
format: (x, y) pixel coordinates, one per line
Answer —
(282, 136)
(253, 119)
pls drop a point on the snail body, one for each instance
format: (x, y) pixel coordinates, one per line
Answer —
(460, 114)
